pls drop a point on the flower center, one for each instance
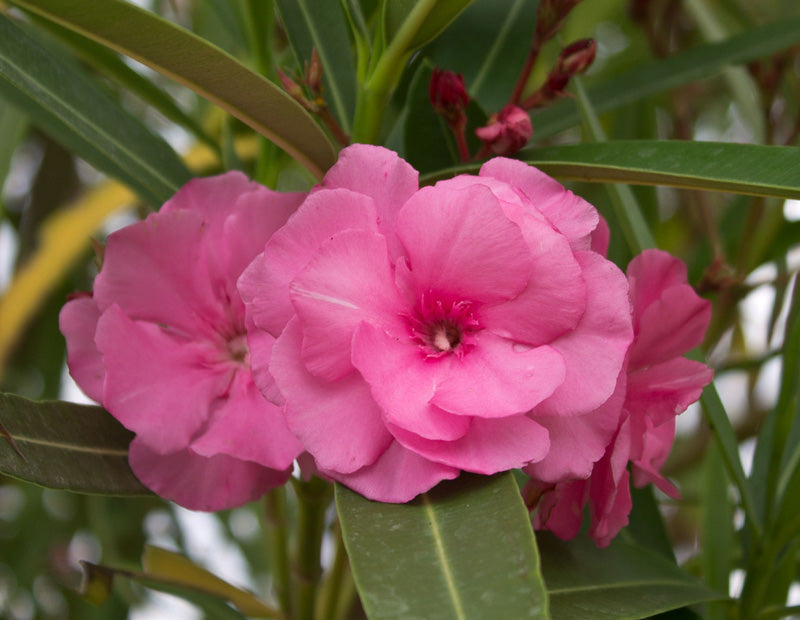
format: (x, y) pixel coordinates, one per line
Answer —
(238, 351)
(442, 327)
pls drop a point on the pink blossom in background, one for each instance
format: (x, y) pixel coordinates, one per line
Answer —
(507, 131)
(669, 319)
(415, 333)
(161, 344)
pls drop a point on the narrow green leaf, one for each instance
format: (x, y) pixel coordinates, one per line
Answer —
(13, 123)
(400, 14)
(663, 75)
(322, 25)
(111, 65)
(66, 446)
(70, 106)
(463, 550)
(717, 530)
(620, 582)
(195, 63)
(738, 168)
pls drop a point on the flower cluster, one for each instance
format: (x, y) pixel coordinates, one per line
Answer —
(398, 335)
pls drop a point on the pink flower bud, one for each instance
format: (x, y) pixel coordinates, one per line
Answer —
(576, 57)
(290, 86)
(314, 73)
(506, 132)
(448, 96)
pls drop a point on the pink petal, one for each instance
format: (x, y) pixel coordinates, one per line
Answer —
(155, 271)
(403, 381)
(578, 442)
(498, 378)
(663, 391)
(609, 491)
(158, 385)
(398, 476)
(259, 344)
(571, 215)
(200, 483)
(489, 446)
(338, 422)
(560, 509)
(246, 426)
(264, 285)
(656, 445)
(78, 322)
(349, 281)
(601, 237)
(459, 242)
(650, 274)
(670, 326)
(595, 350)
(555, 298)
(380, 174)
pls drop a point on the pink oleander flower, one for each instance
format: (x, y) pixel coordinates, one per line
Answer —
(506, 132)
(669, 319)
(161, 343)
(422, 332)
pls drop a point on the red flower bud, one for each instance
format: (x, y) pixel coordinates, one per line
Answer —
(290, 86)
(448, 96)
(506, 132)
(576, 57)
(314, 73)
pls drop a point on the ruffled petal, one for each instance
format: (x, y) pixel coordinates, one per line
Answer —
(78, 322)
(398, 476)
(158, 385)
(489, 446)
(571, 215)
(578, 442)
(246, 426)
(595, 350)
(560, 509)
(338, 422)
(382, 175)
(663, 391)
(349, 281)
(264, 285)
(200, 483)
(555, 298)
(154, 271)
(459, 242)
(403, 381)
(497, 378)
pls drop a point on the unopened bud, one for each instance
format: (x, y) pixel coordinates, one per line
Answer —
(550, 16)
(314, 73)
(449, 96)
(576, 57)
(290, 86)
(506, 132)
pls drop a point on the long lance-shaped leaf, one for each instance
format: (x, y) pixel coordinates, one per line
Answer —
(66, 446)
(621, 582)
(195, 63)
(751, 169)
(69, 105)
(664, 75)
(463, 550)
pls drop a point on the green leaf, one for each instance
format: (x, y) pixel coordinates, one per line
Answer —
(717, 532)
(322, 25)
(751, 169)
(499, 34)
(195, 63)
(423, 20)
(463, 550)
(114, 67)
(663, 75)
(66, 446)
(70, 106)
(620, 582)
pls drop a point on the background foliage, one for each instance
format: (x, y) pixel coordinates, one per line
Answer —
(696, 103)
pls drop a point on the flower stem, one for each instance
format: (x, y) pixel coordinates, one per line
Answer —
(338, 589)
(634, 227)
(313, 499)
(277, 523)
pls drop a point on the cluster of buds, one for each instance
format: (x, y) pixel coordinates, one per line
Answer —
(506, 132)
(312, 80)
(573, 60)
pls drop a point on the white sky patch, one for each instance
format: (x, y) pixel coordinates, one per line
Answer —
(791, 210)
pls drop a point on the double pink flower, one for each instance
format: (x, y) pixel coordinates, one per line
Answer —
(398, 334)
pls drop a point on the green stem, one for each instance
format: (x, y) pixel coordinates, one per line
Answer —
(313, 499)
(276, 520)
(634, 227)
(377, 88)
(335, 596)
